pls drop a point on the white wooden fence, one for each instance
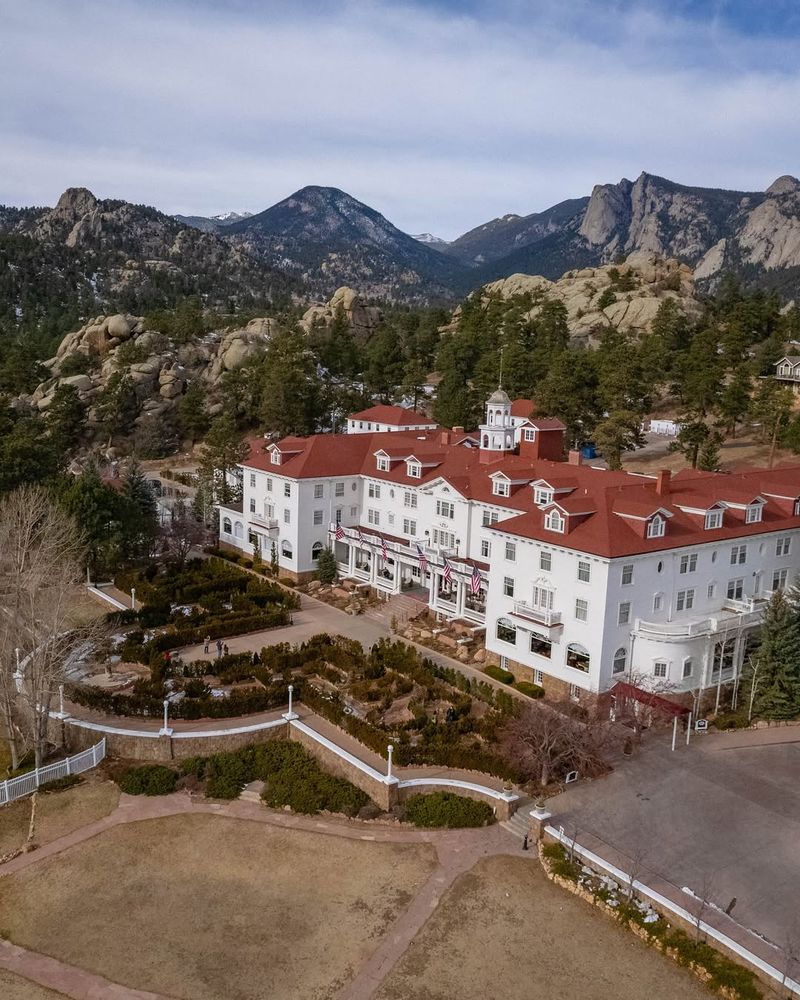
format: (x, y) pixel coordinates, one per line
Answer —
(26, 784)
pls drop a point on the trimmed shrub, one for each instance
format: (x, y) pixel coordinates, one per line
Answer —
(499, 674)
(228, 773)
(195, 766)
(447, 809)
(531, 690)
(149, 779)
(60, 784)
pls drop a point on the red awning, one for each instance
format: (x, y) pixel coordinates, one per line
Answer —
(629, 692)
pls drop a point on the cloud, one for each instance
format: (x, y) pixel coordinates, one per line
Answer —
(440, 115)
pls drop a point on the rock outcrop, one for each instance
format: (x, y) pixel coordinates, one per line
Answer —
(363, 320)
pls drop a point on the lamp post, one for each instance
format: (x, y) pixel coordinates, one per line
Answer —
(133, 598)
(165, 729)
(290, 714)
(389, 752)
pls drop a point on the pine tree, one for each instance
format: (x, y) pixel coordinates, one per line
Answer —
(708, 457)
(326, 566)
(223, 450)
(65, 418)
(141, 521)
(778, 660)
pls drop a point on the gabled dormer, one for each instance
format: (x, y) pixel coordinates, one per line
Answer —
(712, 516)
(545, 490)
(503, 484)
(416, 466)
(752, 507)
(562, 516)
(282, 451)
(645, 517)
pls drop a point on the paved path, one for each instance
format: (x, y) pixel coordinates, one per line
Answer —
(457, 852)
(742, 739)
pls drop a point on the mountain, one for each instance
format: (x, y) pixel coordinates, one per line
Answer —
(327, 239)
(212, 223)
(434, 241)
(60, 265)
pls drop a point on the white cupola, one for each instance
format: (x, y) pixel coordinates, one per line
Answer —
(497, 433)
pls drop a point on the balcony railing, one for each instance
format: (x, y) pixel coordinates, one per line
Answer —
(544, 616)
(265, 522)
(672, 630)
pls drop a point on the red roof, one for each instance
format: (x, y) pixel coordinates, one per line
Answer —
(522, 408)
(396, 416)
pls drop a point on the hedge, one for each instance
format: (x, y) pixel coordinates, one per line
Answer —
(149, 779)
(499, 674)
(447, 809)
(531, 690)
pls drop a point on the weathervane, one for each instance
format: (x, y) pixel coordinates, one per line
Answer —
(500, 386)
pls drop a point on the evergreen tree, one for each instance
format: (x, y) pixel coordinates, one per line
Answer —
(65, 418)
(141, 521)
(116, 406)
(326, 566)
(777, 660)
(290, 386)
(708, 457)
(692, 436)
(620, 431)
(100, 512)
(193, 420)
(223, 449)
(734, 401)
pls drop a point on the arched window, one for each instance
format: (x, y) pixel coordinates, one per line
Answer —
(238, 529)
(506, 630)
(655, 526)
(554, 521)
(316, 548)
(485, 440)
(286, 550)
(620, 661)
(226, 525)
(578, 657)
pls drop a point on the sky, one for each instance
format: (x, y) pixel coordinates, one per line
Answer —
(441, 114)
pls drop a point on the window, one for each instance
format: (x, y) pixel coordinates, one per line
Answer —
(546, 561)
(410, 499)
(624, 613)
(486, 548)
(317, 517)
(735, 590)
(658, 602)
(511, 551)
(542, 496)
(655, 527)
(529, 433)
(338, 489)
(252, 479)
(490, 517)
(574, 692)
(783, 545)
(538, 677)
(779, 579)
(269, 484)
(444, 539)
(554, 521)
(409, 527)
(660, 668)
(627, 574)
(688, 564)
(541, 645)
(711, 591)
(581, 609)
(685, 600)
(753, 513)
(738, 555)
(275, 458)
(444, 508)
(316, 548)
(238, 530)
(620, 661)
(578, 657)
(374, 491)
(338, 515)
(688, 668)
(508, 586)
(391, 519)
(287, 489)
(713, 519)
(383, 464)
(354, 512)
(373, 516)
(506, 630)
(584, 571)
(543, 598)
(796, 508)
(226, 525)
(318, 491)
(252, 505)
(501, 488)
(286, 550)
(287, 515)
(414, 470)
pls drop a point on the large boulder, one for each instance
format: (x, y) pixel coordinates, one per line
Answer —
(363, 320)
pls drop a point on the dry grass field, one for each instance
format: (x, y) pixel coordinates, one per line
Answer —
(503, 930)
(211, 908)
(15, 988)
(57, 813)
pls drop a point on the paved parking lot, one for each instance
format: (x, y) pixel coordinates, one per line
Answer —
(729, 815)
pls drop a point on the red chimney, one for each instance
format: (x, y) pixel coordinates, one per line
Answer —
(458, 430)
(574, 457)
(662, 482)
(445, 437)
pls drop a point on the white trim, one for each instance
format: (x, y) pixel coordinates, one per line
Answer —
(467, 786)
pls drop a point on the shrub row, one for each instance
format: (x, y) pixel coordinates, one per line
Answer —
(505, 676)
(447, 809)
(148, 779)
(531, 690)
(240, 701)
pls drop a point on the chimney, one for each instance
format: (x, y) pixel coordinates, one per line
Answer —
(574, 457)
(662, 482)
(458, 430)
(444, 437)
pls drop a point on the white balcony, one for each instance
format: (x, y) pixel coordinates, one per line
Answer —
(672, 631)
(543, 616)
(270, 523)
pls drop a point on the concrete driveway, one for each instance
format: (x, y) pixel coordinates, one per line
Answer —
(731, 816)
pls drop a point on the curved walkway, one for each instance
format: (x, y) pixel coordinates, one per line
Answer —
(457, 852)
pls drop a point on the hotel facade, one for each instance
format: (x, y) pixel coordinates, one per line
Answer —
(578, 577)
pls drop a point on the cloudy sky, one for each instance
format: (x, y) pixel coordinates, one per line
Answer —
(441, 114)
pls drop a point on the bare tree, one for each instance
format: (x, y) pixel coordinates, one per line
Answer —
(546, 745)
(790, 954)
(702, 900)
(41, 560)
(183, 533)
(636, 864)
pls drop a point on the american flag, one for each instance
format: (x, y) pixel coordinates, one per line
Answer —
(475, 581)
(361, 537)
(339, 533)
(423, 561)
(448, 571)
(384, 550)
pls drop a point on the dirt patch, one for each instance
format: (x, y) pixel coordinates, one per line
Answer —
(57, 813)
(211, 907)
(16, 988)
(504, 930)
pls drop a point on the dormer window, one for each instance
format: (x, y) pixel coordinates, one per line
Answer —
(276, 457)
(383, 464)
(753, 513)
(713, 519)
(542, 496)
(797, 507)
(656, 527)
(501, 488)
(554, 522)
(414, 470)
(529, 434)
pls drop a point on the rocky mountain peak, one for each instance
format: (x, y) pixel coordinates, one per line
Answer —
(785, 184)
(76, 202)
(608, 211)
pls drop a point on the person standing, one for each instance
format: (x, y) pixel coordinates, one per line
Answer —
(219, 648)
(207, 643)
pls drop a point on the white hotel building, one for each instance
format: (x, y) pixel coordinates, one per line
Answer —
(587, 577)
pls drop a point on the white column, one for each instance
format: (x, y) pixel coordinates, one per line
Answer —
(389, 752)
(351, 557)
(133, 598)
(290, 714)
(165, 729)
(461, 596)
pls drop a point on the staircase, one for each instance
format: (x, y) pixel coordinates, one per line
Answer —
(519, 823)
(252, 792)
(399, 606)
